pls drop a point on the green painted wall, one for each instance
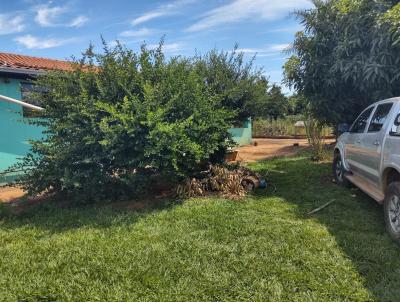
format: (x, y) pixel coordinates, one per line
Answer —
(14, 133)
(242, 136)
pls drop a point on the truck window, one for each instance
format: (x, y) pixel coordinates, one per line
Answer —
(360, 124)
(379, 117)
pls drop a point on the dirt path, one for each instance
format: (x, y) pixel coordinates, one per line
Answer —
(10, 193)
(266, 148)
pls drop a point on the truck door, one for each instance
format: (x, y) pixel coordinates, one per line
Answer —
(353, 141)
(372, 142)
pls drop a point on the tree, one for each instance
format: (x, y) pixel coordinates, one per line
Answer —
(347, 56)
(277, 104)
(298, 104)
(242, 87)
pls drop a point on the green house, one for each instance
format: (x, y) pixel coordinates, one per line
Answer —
(242, 135)
(16, 71)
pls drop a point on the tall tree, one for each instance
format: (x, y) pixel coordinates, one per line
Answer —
(347, 56)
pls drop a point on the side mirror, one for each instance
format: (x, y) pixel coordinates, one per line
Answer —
(343, 127)
(395, 131)
(397, 120)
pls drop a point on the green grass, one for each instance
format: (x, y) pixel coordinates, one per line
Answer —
(260, 249)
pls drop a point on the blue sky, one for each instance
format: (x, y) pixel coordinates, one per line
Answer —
(59, 29)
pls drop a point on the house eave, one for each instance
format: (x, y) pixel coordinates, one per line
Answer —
(9, 71)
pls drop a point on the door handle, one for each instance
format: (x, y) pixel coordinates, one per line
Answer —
(376, 143)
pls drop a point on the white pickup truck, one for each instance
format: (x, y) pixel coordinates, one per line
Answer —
(367, 155)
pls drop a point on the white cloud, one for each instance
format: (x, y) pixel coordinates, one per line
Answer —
(245, 10)
(32, 42)
(270, 50)
(78, 21)
(171, 48)
(142, 32)
(10, 24)
(51, 16)
(278, 47)
(47, 16)
(290, 29)
(163, 10)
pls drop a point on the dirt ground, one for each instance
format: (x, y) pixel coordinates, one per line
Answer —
(10, 193)
(266, 148)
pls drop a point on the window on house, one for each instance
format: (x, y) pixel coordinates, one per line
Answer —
(26, 94)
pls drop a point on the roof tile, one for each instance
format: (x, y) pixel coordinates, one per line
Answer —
(10, 60)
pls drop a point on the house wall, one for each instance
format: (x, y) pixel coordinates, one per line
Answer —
(242, 136)
(14, 132)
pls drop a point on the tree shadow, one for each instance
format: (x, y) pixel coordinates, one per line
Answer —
(355, 220)
(53, 217)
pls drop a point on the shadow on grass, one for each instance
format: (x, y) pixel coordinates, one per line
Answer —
(53, 218)
(353, 218)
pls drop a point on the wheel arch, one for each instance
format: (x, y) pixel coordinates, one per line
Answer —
(389, 175)
(339, 150)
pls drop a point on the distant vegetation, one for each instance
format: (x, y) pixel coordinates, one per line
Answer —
(283, 127)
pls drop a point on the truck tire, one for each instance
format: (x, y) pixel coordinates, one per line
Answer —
(339, 171)
(391, 210)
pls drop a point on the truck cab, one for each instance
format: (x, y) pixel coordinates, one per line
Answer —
(367, 155)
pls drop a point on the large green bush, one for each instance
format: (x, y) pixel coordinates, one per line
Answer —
(120, 118)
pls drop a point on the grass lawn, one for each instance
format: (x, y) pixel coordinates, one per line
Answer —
(261, 249)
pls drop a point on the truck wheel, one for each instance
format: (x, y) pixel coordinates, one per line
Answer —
(391, 209)
(338, 171)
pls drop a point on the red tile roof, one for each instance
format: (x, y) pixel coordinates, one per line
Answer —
(14, 61)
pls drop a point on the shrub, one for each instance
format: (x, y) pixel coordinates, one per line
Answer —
(314, 137)
(120, 118)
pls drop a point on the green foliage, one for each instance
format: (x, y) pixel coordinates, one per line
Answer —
(298, 104)
(242, 87)
(283, 127)
(392, 17)
(346, 57)
(233, 79)
(113, 125)
(277, 127)
(272, 104)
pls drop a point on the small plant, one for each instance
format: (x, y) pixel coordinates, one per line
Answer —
(315, 138)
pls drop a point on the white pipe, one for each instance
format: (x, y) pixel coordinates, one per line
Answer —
(23, 104)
